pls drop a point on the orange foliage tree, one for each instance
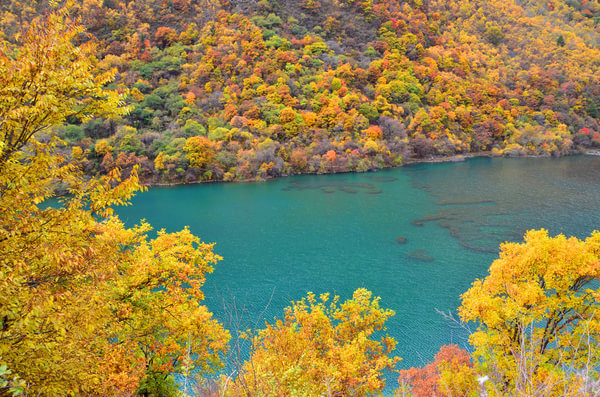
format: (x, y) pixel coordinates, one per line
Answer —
(449, 374)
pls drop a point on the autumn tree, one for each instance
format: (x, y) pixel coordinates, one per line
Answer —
(46, 64)
(87, 306)
(538, 315)
(165, 36)
(200, 151)
(321, 347)
(494, 35)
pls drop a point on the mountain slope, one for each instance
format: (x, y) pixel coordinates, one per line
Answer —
(242, 89)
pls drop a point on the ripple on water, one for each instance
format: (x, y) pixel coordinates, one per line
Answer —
(290, 234)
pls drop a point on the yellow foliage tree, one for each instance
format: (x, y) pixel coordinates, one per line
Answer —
(87, 306)
(44, 66)
(538, 315)
(102, 147)
(159, 162)
(200, 151)
(321, 348)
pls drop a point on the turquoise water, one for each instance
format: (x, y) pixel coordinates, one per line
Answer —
(336, 233)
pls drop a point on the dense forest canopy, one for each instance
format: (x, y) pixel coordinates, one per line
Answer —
(242, 89)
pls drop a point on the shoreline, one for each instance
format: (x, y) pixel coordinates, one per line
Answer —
(457, 158)
(412, 161)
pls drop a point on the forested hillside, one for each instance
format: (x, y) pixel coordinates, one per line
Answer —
(238, 90)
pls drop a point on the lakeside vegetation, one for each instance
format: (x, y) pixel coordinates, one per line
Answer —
(91, 307)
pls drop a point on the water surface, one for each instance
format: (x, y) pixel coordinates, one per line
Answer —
(417, 236)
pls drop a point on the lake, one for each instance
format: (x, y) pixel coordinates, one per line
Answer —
(336, 233)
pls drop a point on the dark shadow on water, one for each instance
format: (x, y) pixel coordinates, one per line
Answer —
(383, 178)
(485, 202)
(346, 187)
(466, 202)
(472, 225)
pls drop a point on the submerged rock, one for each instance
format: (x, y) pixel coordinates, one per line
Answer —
(401, 240)
(420, 255)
